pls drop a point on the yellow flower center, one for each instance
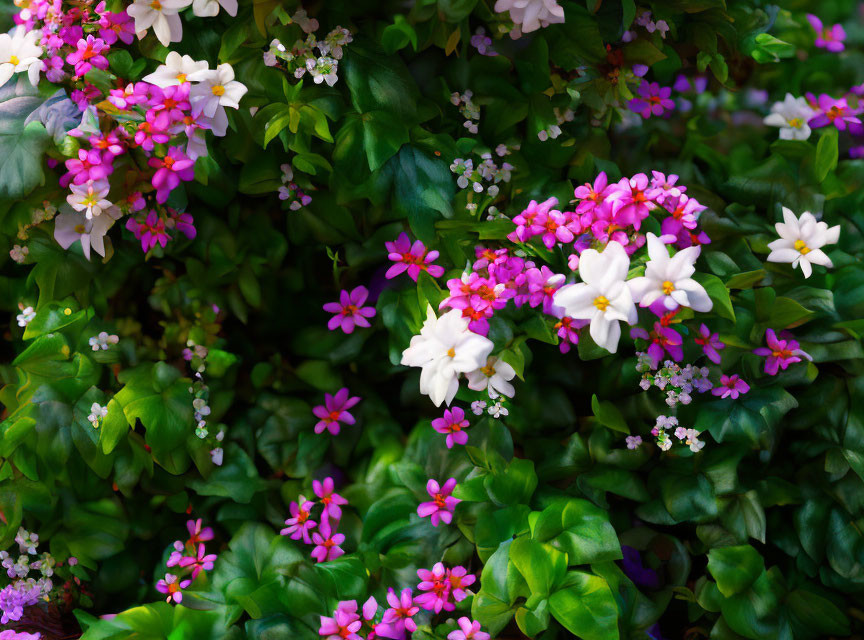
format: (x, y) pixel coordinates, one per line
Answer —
(181, 78)
(601, 303)
(667, 287)
(801, 247)
(796, 123)
(156, 5)
(488, 370)
(14, 60)
(79, 228)
(451, 352)
(218, 90)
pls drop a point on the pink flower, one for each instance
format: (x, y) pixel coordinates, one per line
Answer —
(437, 588)
(780, 353)
(453, 424)
(154, 130)
(130, 95)
(459, 578)
(349, 310)
(593, 196)
(653, 100)
(710, 343)
(630, 203)
(661, 187)
(172, 587)
(335, 410)
(836, 112)
(442, 505)
(299, 523)
(176, 555)
(484, 257)
(116, 26)
(663, 340)
(170, 170)
(399, 617)
(412, 258)
(830, 39)
(525, 220)
(89, 165)
(330, 500)
(468, 630)
(554, 226)
(149, 232)
(108, 143)
(174, 100)
(196, 533)
(199, 562)
(53, 68)
(88, 54)
(567, 334)
(730, 386)
(542, 285)
(684, 210)
(342, 626)
(327, 543)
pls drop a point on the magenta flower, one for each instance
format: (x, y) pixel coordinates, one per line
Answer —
(342, 626)
(350, 310)
(335, 410)
(130, 95)
(183, 222)
(554, 226)
(525, 220)
(89, 165)
(710, 343)
(174, 100)
(830, 39)
(442, 505)
(412, 258)
(170, 170)
(780, 353)
(459, 578)
(108, 143)
(149, 232)
(170, 585)
(593, 196)
(836, 112)
(542, 285)
(327, 543)
(567, 332)
(54, 68)
(437, 589)
(468, 630)
(330, 500)
(116, 26)
(176, 555)
(730, 386)
(399, 617)
(154, 130)
(299, 524)
(684, 210)
(197, 534)
(453, 424)
(200, 562)
(630, 203)
(486, 257)
(653, 100)
(88, 54)
(663, 340)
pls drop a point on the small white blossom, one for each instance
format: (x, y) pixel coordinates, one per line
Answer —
(497, 410)
(478, 407)
(19, 52)
(26, 316)
(89, 197)
(669, 279)
(494, 376)
(216, 456)
(97, 412)
(801, 241)
(162, 15)
(531, 15)
(175, 71)
(323, 69)
(791, 115)
(102, 340)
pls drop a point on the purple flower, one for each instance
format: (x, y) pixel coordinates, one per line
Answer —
(633, 442)
(170, 170)
(634, 569)
(412, 258)
(441, 508)
(780, 353)
(710, 343)
(327, 543)
(836, 112)
(200, 562)
(174, 588)
(483, 43)
(524, 220)
(14, 597)
(299, 523)
(330, 500)
(149, 232)
(730, 386)
(830, 39)
(349, 310)
(198, 534)
(335, 410)
(654, 100)
(453, 424)
(663, 340)
(542, 285)
(468, 630)
(399, 617)
(89, 165)
(567, 332)
(116, 26)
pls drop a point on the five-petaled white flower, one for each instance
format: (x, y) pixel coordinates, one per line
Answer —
(161, 15)
(668, 279)
(19, 52)
(791, 116)
(70, 227)
(89, 197)
(444, 349)
(493, 376)
(216, 88)
(176, 70)
(801, 241)
(603, 296)
(210, 8)
(531, 14)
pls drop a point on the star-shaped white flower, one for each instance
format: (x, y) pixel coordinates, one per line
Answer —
(216, 88)
(19, 52)
(495, 376)
(175, 71)
(603, 296)
(668, 279)
(90, 197)
(444, 349)
(801, 241)
(791, 116)
(161, 15)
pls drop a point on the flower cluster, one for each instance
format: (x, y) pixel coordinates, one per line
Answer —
(486, 176)
(469, 110)
(23, 589)
(299, 526)
(678, 383)
(102, 340)
(302, 58)
(530, 15)
(290, 191)
(688, 437)
(190, 559)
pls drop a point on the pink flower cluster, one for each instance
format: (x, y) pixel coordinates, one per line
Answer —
(299, 526)
(191, 558)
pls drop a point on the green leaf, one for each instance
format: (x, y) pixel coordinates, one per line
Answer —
(514, 485)
(396, 36)
(540, 564)
(586, 607)
(827, 153)
(718, 293)
(21, 146)
(383, 136)
(608, 415)
(735, 568)
(114, 427)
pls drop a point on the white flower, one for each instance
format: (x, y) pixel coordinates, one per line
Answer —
(478, 407)
(791, 116)
(102, 341)
(668, 279)
(603, 296)
(217, 88)
(19, 52)
(323, 69)
(89, 197)
(70, 227)
(494, 376)
(210, 8)
(306, 23)
(161, 15)
(496, 410)
(531, 14)
(175, 71)
(19, 254)
(97, 412)
(216, 456)
(25, 316)
(444, 349)
(801, 241)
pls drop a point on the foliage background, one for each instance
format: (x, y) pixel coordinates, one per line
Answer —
(758, 536)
